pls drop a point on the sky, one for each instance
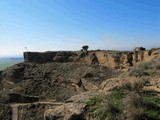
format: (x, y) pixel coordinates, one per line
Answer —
(51, 25)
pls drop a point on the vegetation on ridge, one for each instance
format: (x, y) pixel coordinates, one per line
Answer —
(129, 102)
(146, 68)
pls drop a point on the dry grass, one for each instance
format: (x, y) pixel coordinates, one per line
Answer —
(145, 69)
(128, 102)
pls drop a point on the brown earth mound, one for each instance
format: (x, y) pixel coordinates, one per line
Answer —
(57, 81)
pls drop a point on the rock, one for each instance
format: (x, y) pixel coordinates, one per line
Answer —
(68, 111)
(87, 85)
(92, 59)
(112, 59)
(58, 59)
(88, 75)
(72, 109)
(72, 58)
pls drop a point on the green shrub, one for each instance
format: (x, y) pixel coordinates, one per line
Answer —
(128, 102)
(95, 100)
(136, 86)
(153, 115)
(109, 106)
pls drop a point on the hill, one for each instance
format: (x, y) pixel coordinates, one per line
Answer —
(82, 85)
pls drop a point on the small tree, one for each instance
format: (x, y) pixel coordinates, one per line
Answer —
(85, 47)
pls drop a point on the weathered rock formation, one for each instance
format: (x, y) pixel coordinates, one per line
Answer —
(56, 85)
(112, 59)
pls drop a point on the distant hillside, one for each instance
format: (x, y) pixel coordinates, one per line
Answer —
(7, 62)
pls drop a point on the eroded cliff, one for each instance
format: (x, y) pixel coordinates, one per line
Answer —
(57, 84)
(112, 59)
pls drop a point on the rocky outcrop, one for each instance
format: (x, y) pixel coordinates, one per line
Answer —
(112, 59)
(66, 80)
(72, 109)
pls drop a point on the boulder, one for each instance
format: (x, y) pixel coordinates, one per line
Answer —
(58, 59)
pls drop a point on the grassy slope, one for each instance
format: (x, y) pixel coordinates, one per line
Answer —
(131, 103)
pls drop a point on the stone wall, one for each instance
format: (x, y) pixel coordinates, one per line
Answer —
(39, 57)
(44, 57)
(33, 111)
(112, 59)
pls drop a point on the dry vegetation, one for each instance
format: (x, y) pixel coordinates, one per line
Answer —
(146, 68)
(87, 91)
(129, 102)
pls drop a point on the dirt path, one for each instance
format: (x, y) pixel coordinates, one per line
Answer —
(14, 111)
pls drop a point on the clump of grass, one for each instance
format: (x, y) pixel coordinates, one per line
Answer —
(95, 100)
(133, 107)
(139, 107)
(115, 103)
(109, 106)
(140, 104)
(94, 107)
(136, 86)
(136, 72)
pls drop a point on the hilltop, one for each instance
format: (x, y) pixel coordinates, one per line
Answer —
(82, 85)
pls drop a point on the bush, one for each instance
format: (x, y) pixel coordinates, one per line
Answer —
(136, 86)
(136, 73)
(133, 106)
(145, 69)
(109, 106)
(139, 104)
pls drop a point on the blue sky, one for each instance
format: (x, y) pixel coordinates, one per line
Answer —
(48, 25)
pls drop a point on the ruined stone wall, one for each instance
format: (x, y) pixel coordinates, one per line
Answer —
(39, 57)
(33, 111)
(112, 59)
(145, 55)
(118, 60)
(44, 57)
